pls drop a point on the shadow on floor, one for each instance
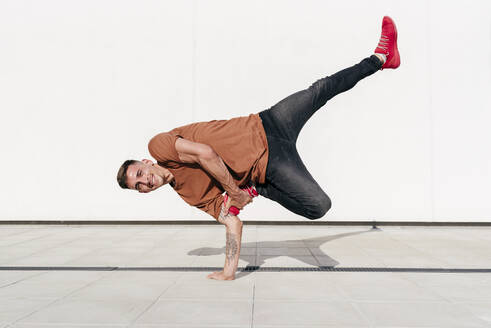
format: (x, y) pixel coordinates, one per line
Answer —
(312, 243)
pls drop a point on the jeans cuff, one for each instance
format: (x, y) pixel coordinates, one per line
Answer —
(376, 61)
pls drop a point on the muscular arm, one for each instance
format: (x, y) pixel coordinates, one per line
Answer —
(214, 165)
(208, 159)
(192, 152)
(233, 241)
(233, 232)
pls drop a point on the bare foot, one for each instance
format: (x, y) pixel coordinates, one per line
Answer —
(220, 275)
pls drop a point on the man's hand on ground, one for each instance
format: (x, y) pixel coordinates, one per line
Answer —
(239, 200)
(220, 275)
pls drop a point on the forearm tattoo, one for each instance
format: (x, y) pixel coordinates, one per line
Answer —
(232, 246)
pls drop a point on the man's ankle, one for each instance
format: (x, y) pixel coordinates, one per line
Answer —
(381, 57)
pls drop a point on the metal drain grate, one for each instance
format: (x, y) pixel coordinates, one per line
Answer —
(248, 269)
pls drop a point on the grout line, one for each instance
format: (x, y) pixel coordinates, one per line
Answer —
(352, 302)
(133, 322)
(253, 300)
(312, 254)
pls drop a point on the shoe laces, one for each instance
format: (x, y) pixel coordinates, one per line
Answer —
(384, 43)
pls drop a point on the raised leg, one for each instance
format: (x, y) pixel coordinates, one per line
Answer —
(290, 114)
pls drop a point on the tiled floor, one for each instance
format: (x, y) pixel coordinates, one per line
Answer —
(93, 297)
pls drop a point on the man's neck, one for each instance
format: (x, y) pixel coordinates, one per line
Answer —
(166, 175)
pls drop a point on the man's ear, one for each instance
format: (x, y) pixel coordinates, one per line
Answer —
(147, 161)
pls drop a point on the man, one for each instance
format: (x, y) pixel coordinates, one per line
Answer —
(203, 160)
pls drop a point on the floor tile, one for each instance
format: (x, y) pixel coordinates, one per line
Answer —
(238, 289)
(12, 309)
(456, 287)
(109, 290)
(481, 310)
(10, 277)
(295, 286)
(418, 314)
(76, 311)
(207, 312)
(278, 312)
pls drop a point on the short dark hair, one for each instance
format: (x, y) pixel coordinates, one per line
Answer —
(122, 173)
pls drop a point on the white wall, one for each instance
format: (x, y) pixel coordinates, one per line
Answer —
(85, 84)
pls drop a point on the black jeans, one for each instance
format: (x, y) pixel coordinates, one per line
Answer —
(288, 181)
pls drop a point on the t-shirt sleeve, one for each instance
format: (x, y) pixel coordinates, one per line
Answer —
(213, 207)
(162, 147)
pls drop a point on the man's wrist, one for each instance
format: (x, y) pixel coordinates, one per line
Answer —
(234, 193)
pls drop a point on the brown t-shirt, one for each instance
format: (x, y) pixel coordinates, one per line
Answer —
(240, 142)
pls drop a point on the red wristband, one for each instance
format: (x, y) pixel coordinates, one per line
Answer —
(234, 210)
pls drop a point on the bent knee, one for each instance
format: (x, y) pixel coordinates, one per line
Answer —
(319, 208)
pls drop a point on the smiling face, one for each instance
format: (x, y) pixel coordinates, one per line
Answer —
(145, 176)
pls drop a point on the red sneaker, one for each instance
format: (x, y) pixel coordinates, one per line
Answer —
(388, 44)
